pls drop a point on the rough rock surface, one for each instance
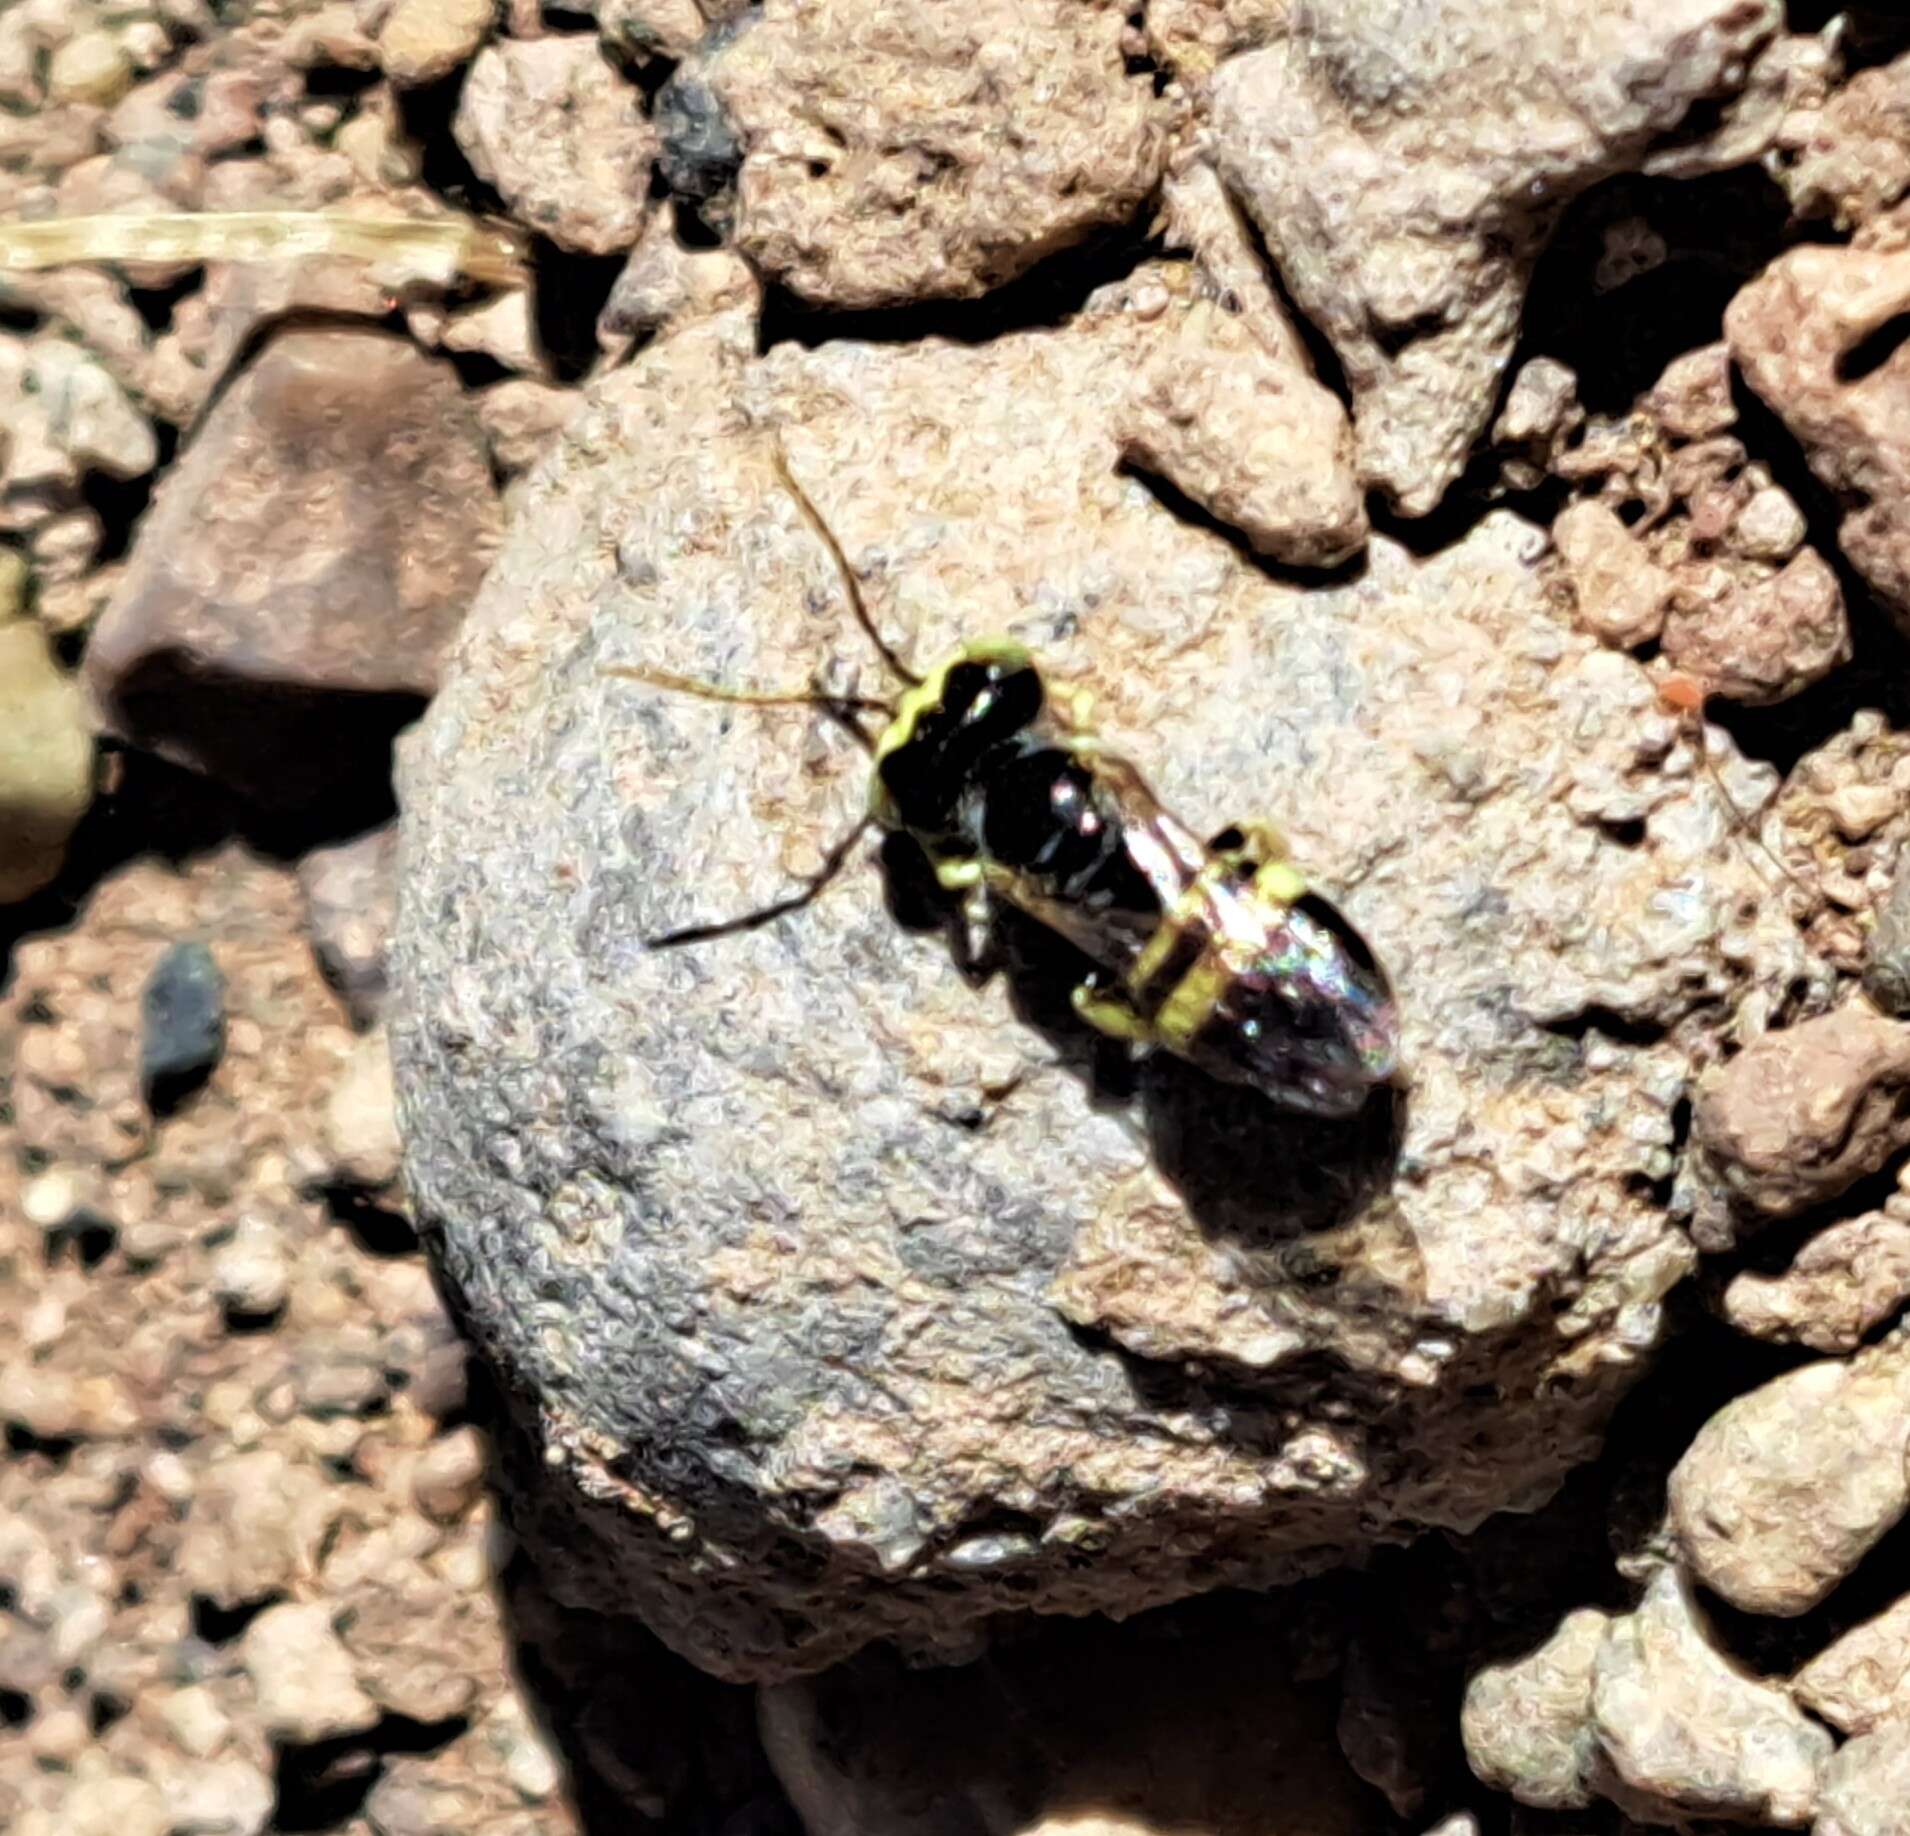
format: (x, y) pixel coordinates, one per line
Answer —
(420, 41)
(1244, 433)
(1187, 1731)
(1406, 170)
(665, 281)
(1850, 158)
(1806, 335)
(302, 568)
(1800, 1115)
(924, 149)
(1862, 1680)
(1840, 826)
(553, 126)
(971, 1390)
(1785, 1489)
(1843, 1284)
(1683, 1732)
(1688, 543)
(1528, 1723)
(351, 896)
(1867, 1786)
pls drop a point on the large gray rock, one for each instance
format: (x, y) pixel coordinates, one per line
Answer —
(841, 1297)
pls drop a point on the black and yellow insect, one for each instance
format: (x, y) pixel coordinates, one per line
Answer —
(1220, 952)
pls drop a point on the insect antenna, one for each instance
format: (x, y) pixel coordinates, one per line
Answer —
(760, 698)
(827, 537)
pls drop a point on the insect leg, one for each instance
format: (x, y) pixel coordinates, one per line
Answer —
(832, 864)
(1109, 1011)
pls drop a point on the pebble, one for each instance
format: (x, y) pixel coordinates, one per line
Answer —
(1867, 1786)
(92, 67)
(182, 1018)
(1785, 1489)
(46, 758)
(193, 1717)
(449, 1476)
(559, 132)
(1683, 1732)
(1861, 1680)
(249, 1273)
(222, 1798)
(423, 40)
(361, 1118)
(1527, 1723)
(350, 893)
(302, 1676)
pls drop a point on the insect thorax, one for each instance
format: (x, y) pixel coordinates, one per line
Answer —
(978, 766)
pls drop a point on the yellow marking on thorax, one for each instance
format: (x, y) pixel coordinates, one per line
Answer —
(1280, 883)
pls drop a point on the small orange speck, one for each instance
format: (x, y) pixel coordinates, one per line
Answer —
(1683, 694)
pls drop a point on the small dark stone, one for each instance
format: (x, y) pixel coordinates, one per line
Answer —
(182, 1015)
(700, 154)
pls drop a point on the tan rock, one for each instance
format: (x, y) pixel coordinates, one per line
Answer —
(361, 1120)
(1784, 1490)
(1770, 527)
(1194, 37)
(1257, 442)
(1541, 407)
(665, 283)
(313, 549)
(449, 1477)
(1800, 333)
(504, 329)
(350, 894)
(46, 760)
(65, 416)
(553, 126)
(1801, 1114)
(521, 417)
(417, 1644)
(1862, 1680)
(921, 150)
(302, 1676)
(1171, 1737)
(1620, 594)
(1867, 1786)
(1792, 74)
(92, 67)
(1843, 1284)
(423, 40)
(1683, 1732)
(1691, 400)
(1405, 209)
(1527, 1724)
(660, 28)
(256, 1527)
(1850, 158)
(1760, 642)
